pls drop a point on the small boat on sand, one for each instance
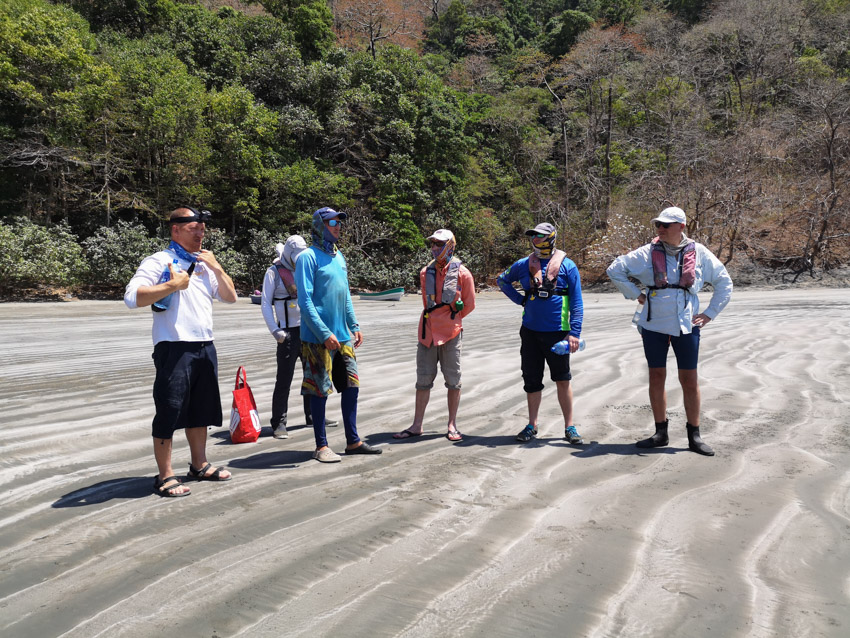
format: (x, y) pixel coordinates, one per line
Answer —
(393, 294)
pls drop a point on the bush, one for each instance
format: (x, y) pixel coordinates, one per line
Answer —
(32, 255)
(114, 252)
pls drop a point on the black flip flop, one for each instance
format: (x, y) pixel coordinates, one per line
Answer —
(409, 434)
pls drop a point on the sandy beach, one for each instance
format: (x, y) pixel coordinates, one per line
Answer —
(486, 537)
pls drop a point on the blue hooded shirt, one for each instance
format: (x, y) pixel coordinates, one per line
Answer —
(324, 298)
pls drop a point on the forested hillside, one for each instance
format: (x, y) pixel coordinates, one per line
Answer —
(482, 116)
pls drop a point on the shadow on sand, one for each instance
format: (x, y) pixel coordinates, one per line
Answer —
(133, 487)
(273, 460)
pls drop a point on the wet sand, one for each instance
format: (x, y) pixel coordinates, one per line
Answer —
(486, 537)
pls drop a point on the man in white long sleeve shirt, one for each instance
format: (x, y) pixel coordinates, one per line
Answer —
(185, 390)
(672, 269)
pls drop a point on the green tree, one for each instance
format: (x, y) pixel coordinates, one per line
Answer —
(51, 88)
(135, 17)
(563, 30)
(310, 21)
(160, 110)
(242, 136)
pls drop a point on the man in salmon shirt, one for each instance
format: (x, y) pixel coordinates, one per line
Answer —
(448, 295)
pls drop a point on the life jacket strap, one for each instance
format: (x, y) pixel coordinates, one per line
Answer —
(427, 311)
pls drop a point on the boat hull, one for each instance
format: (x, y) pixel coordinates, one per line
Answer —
(394, 294)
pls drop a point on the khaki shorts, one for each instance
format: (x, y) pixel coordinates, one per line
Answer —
(448, 356)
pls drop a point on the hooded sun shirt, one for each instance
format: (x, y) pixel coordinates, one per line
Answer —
(323, 294)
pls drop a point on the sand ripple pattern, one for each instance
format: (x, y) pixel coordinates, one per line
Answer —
(482, 538)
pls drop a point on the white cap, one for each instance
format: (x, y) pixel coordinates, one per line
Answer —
(672, 215)
(442, 235)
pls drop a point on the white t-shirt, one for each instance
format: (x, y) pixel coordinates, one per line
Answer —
(189, 316)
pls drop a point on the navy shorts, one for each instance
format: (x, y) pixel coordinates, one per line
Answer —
(685, 347)
(185, 390)
(536, 351)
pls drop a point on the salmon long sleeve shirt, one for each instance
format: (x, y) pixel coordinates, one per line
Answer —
(440, 327)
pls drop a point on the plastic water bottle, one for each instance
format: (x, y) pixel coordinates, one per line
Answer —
(581, 345)
(162, 304)
(636, 316)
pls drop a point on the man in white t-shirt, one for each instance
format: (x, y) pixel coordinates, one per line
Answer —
(180, 283)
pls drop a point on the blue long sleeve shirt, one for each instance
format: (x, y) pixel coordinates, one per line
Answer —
(324, 297)
(553, 313)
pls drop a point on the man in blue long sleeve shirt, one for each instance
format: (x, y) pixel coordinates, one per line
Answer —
(329, 334)
(551, 323)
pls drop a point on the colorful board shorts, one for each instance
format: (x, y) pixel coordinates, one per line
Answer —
(326, 369)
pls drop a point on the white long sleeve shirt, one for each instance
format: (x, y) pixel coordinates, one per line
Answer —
(673, 309)
(189, 316)
(280, 311)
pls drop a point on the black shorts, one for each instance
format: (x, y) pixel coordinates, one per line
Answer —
(535, 351)
(185, 390)
(685, 347)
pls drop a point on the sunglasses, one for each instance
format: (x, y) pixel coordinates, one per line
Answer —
(334, 222)
(664, 224)
(438, 244)
(539, 236)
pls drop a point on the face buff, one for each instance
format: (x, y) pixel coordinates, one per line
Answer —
(543, 246)
(443, 254)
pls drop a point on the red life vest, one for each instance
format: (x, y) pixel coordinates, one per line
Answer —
(687, 268)
(538, 279)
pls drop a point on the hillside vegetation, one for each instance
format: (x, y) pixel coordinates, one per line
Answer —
(483, 116)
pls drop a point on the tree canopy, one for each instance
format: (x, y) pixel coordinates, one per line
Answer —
(592, 114)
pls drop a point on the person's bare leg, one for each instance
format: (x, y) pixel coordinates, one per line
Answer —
(658, 401)
(422, 398)
(453, 400)
(197, 438)
(533, 399)
(162, 455)
(565, 398)
(657, 393)
(691, 395)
